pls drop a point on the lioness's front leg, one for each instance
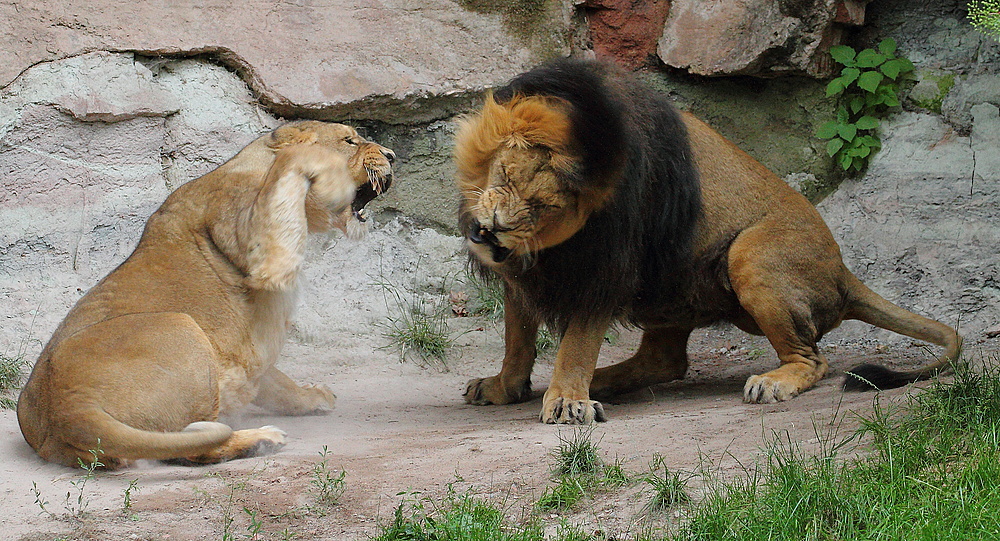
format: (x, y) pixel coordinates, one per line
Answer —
(568, 398)
(513, 383)
(280, 394)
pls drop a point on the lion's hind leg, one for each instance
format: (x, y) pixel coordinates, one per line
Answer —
(662, 357)
(792, 295)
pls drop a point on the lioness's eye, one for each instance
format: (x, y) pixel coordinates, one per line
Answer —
(350, 141)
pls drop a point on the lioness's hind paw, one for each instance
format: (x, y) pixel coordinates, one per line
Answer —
(572, 412)
(766, 390)
(271, 439)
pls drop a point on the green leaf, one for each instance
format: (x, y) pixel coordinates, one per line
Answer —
(869, 58)
(842, 115)
(849, 75)
(847, 131)
(827, 130)
(857, 104)
(835, 87)
(864, 151)
(872, 141)
(891, 100)
(905, 65)
(867, 123)
(846, 161)
(887, 46)
(869, 80)
(891, 68)
(843, 54)
(834, 145)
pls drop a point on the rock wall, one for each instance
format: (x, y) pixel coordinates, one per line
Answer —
(106, 107)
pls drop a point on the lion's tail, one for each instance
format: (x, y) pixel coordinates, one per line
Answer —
(121, 441)
(870, 307)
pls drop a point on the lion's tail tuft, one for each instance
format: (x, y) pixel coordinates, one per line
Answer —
(868, 306)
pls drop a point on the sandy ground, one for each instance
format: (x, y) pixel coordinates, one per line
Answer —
(402, 431)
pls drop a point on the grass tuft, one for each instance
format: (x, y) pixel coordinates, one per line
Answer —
(668, 488)
(415, 329)
(457, 518)
(577, 454)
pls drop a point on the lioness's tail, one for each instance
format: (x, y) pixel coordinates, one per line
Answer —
(870, 307)
(121, 441)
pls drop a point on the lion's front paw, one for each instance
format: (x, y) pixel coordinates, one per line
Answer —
(561, 410)
(487, 391)
(766, 390)
(319, 399)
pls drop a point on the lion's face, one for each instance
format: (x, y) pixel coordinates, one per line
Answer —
(516, 173)
(523, 207)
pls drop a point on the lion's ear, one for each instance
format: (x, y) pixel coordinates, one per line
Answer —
(295, 133)
(279, 221)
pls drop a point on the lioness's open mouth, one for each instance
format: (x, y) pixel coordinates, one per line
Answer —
(377, 184)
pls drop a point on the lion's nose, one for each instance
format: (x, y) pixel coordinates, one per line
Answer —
(389, 155)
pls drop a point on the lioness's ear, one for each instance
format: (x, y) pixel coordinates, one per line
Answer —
(279, 224)
(292, 134)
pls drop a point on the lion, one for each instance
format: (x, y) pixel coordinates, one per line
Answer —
(596, 202)
(190, 326)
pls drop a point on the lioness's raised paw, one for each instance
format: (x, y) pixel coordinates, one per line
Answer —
(767, 390)
(572, 412)
(487, 391)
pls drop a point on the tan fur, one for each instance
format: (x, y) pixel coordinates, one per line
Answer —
(190, 326)
(784, 268)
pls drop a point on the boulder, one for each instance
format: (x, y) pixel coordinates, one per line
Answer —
(756, 37)
(348, 59)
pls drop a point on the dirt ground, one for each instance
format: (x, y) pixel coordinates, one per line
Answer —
(402, 431)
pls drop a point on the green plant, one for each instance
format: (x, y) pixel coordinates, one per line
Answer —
(133, 488)
(985, 17)
(868, 87)
(669, 489)
(567, 492)
(545, 340)
(487, 295)
(457, 518)
(326, 486)
(577, 454)
(416, 329)
(10, 378)
(75, 507)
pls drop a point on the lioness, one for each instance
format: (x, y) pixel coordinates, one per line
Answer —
(189, 327)
(595, 201)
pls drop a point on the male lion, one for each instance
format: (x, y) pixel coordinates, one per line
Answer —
(189, 327)
(595, 201)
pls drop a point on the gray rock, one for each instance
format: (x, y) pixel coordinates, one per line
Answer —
(350, 59)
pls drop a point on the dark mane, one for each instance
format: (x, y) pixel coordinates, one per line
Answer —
(626, 257)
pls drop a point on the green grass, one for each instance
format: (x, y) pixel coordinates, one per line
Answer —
(668, 488)
(11, 375)
(325, 486)
(931, 471)
(577, 454)
(457, 518)
(487, 296)
(416, 330)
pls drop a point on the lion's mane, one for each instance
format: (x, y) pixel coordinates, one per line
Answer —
(626, 258)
